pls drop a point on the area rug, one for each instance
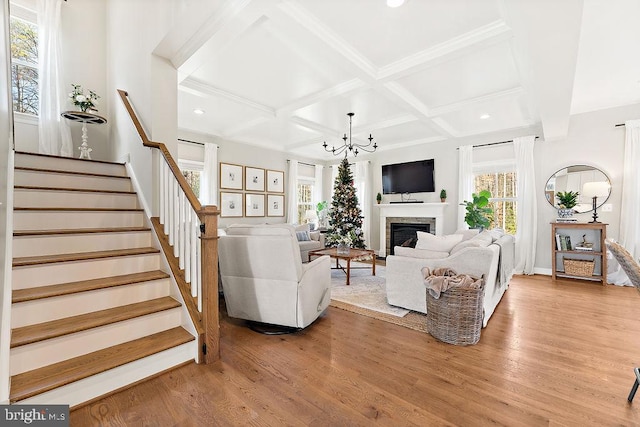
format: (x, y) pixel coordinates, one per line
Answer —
(366, 295)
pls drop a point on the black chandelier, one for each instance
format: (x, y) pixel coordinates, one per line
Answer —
(351, 146)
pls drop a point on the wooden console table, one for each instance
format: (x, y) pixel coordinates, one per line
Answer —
(597, 233)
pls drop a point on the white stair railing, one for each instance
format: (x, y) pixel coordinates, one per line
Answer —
(188, 235)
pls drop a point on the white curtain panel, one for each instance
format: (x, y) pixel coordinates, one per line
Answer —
(334, 175)
(465, 180)
(317, 186)
(292, 192)
(54, 133)
(630, 209)
(527, 221)
(362, 181)
(209, 181)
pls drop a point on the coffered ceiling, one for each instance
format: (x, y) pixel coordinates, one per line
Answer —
(283, 74)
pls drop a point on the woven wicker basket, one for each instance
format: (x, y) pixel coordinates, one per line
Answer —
(579, 267)
(456, 317)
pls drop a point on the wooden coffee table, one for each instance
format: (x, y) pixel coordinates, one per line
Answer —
(353, 254)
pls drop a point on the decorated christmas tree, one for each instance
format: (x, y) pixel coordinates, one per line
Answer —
(345, 217)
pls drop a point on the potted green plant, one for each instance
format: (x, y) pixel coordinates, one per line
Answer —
(566, 202)
(379, 198)
(443, 195)
(478, 212)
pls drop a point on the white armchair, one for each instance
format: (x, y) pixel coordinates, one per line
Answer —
(264, 280)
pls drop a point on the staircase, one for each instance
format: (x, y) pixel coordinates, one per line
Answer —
(92, 310)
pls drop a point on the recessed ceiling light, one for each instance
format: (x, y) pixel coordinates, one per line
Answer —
(198, 111)
(485, 116)
(395, 3)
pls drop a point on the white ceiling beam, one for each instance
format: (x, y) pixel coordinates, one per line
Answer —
(209, 90)
(315, 127)
(196, 26)
(547, 56)
(368, 71)
(457, 106)
(480, 37)
(343, 88)
(410, 102)
(235, 130)
(383, 124)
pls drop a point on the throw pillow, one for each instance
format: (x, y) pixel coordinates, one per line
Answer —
(303, 236)
(479, 241)
(467, 234)
(437, 243)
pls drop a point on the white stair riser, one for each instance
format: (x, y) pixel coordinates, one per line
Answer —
(64, 272)
(61, 180)
(74, 243)
(27, 198)
(55, 220)
(98, 385)
(47, 309)
(71, 165)
(37, 355)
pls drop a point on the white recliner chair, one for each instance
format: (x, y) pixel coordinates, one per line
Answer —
(264, 280)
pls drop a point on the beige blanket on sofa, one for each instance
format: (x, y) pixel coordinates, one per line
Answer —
(440, 279)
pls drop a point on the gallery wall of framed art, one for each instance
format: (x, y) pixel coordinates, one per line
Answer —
(255, 192)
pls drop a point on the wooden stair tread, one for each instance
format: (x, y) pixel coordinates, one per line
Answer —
(102, 175)
(83, 190)
(80, 209)
(25, 153)
(47, 378)
(40, 292)
(81, 256)
(69, 325)
(79, 231)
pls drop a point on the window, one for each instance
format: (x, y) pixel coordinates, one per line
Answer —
(305, 199)
(24, 62)
(192, 172)
(502, 186)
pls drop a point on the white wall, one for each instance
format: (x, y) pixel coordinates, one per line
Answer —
(134, 29)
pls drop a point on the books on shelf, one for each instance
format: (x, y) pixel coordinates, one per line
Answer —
(583, 248)
(563, 243)
(566, 219)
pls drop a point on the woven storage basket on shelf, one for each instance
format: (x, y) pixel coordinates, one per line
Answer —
(456, 317)
(579, 267)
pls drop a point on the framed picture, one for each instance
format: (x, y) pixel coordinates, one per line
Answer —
(253, 179)
(275, 181)
(275, 205)
(230, 176)
(230, 204)
(254, 204)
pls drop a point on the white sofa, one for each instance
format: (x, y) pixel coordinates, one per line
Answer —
(315, 242)
(489, 254)
(264, 280)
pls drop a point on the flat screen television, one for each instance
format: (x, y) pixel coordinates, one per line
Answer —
(408, 177)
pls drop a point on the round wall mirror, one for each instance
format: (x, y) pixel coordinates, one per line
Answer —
(573, 178)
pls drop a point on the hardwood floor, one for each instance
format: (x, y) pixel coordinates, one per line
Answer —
(554, 353)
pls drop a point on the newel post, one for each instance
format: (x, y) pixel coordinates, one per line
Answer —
(209, 252)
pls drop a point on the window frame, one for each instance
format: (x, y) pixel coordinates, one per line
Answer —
(24, 11)
(496, 167)
(193, 166)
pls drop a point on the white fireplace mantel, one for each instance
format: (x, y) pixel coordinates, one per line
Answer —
(418, 210)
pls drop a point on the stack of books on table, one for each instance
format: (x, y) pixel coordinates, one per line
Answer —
(567, 219)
